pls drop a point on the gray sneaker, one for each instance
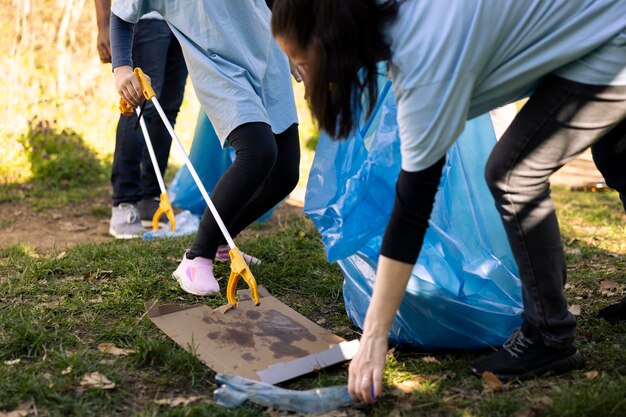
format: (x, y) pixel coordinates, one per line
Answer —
(147, 208)
(125, 223)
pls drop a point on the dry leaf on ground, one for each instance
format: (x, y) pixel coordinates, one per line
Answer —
(96, 380)
(66, 370)
(22, 410)
(491, 382)
(430, 359)
(574, 309)
(407, 386)
(12, 362)
(176, 401)
(592, 374)
(608, 287)
(114, 350)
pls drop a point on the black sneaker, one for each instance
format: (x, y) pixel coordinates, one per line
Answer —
(614, 313)
(525, 356)
(147, 207)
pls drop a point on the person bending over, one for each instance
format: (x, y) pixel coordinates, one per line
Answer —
(451, 61)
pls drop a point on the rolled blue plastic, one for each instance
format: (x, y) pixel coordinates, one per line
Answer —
(464, 291)
(234, 391)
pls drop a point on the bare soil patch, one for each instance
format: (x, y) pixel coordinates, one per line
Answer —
(58, 228)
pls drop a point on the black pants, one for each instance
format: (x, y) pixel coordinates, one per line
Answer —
(265, 171)
(157, 52)
(609, 156)
(560, 121)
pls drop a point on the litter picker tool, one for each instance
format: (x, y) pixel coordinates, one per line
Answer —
(238, 266)
(165, 207)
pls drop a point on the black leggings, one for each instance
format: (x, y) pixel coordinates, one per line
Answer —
(264, 172)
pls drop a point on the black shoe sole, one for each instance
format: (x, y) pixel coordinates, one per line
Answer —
(574, 361)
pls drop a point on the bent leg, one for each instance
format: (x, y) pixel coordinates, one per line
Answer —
(561, 120)
(280, 182)
(609, 155)
(256, 154)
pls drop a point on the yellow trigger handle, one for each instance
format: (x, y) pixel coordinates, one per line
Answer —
(146, 88)
(125, 108)
(148, 92)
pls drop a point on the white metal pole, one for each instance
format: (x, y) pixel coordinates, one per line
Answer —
(194, 174)
(155, 163)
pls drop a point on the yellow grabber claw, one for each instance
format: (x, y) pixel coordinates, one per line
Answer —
(165, 207)
(239, 268)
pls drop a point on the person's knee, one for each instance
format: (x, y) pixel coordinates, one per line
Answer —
(495, 176)
(265, 157)
(255, 148)
(290, 176)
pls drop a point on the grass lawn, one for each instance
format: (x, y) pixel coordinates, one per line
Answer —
(56, 308)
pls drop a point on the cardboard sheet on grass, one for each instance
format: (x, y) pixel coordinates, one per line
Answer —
(270, 343)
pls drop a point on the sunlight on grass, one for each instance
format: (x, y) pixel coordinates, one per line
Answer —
(55, 309)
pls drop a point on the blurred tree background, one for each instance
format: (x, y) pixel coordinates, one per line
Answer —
(53, 78)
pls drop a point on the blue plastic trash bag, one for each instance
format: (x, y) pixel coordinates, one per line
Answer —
(210, 162)
(464, 291)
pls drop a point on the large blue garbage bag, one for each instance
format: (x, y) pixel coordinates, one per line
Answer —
(464, 291)
(210, 162)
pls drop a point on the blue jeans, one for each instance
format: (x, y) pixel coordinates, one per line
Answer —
(157, 52)
(561, 120)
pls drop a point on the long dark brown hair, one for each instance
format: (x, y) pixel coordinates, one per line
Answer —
(347, 41)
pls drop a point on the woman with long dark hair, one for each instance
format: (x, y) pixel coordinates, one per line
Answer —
(451, 61)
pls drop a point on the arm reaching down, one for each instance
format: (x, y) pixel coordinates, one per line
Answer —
(415, 196)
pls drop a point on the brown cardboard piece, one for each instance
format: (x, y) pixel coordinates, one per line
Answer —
(270, 343)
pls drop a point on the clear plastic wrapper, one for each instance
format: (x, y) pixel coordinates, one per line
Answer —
(186, 224)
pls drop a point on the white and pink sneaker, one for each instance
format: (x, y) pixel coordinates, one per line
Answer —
(195, 276)
(222, 255)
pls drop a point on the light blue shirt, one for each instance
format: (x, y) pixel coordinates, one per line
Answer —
(452, 60)
(237, 70)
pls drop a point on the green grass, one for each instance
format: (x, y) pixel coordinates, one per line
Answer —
(55, 310)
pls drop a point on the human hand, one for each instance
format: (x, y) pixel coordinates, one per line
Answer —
(366, 368)
(295, 71)
(300, 75)
(104, 44)
(127, 85)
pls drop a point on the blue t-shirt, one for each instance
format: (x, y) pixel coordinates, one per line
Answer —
(453, 60)
(237, 70)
